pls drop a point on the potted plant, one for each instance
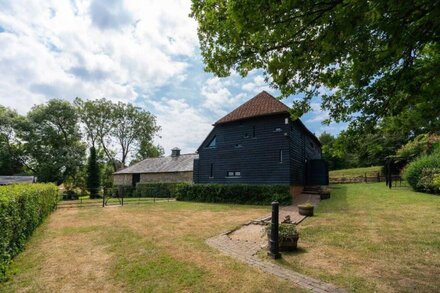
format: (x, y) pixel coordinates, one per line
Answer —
(306, 209)
(324, 193)
(288, 236)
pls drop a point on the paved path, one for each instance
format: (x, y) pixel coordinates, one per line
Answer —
(244, 243)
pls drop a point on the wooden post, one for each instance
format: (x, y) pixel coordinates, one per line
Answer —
(274, 241)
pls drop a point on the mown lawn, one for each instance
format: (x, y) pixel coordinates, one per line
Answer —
(143, 248)
(368, 238)
(355, 172)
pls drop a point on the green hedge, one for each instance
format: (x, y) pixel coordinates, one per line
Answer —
(235, 193)
(22, 208)
(163, 190)
(421, 173)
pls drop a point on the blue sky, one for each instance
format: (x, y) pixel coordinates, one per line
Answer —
(131, 51)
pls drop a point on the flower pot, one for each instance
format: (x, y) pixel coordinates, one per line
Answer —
(305, 211)
(324, 195)
(285, 243)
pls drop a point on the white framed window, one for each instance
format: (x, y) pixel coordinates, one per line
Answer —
(233, 174)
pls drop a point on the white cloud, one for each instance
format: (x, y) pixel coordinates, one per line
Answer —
(65, 49)
(257, 85)
(218, 97)
(183, 126)
(318, 114)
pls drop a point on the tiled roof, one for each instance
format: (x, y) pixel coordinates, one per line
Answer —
(181, 163)
(260, 105)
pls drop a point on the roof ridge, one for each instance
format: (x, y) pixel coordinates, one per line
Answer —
(261, 104)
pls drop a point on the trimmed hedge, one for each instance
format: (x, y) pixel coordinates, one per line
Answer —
(161, 190)
(22, 208)
(235, 193)
(421, 173)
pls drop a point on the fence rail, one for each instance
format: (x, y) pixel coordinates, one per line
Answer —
(396, 179)
(109, 197)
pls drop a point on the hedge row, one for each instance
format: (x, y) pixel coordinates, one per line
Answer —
(158, 189)
(422, 174)
(234, 193)
(22, 208)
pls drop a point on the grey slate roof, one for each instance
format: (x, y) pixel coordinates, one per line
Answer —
(182, 163)
(4, 180)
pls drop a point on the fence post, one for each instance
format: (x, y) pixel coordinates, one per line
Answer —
(274, 243)
(103, 199)
(378, 177)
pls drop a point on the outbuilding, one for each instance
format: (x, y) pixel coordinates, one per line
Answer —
(175, 168)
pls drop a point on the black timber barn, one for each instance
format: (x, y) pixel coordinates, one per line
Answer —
(258, 143)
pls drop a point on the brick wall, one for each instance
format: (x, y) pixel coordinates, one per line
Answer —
(122, 179)
(126, 179)
(167, 177)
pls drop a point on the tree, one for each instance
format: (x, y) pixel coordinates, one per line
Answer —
(133, 126)
(10, 146)
(335, 161)
(373, 59)
(93, 174)
(147, 150)
(118, 128)
(52, 141)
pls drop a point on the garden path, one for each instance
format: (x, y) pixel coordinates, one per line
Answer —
(244, 244)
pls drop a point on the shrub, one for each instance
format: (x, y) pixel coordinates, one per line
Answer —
(158, 189)
(234, 193)
(22, 208)
(121, 190)
(284, 230)
(427, 183)
(422, 167)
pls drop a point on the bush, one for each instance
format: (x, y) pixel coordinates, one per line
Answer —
(121, 190)
(163, 190)
(234, 193)
(420, 173)
(22, 208)
(427, 180)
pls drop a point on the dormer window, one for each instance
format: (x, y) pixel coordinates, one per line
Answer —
(213, 142)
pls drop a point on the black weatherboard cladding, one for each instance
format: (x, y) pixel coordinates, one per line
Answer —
(253, 147)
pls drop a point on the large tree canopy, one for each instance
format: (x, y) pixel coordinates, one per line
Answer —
(10, 147)
(121, 130)
(52, 141)
(376, 58)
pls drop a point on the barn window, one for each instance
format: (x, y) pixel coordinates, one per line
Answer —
(213, 142)
(211, 172)
(233, 174)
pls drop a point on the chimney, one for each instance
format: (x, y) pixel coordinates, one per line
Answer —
(175, 152)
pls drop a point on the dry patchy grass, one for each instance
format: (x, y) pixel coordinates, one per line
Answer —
(151, 247)
(367, 238)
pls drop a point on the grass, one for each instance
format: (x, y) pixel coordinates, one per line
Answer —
(368, 238)
(156, 247)
(355, 172)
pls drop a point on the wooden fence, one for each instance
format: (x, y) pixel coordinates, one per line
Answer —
(367, 178)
